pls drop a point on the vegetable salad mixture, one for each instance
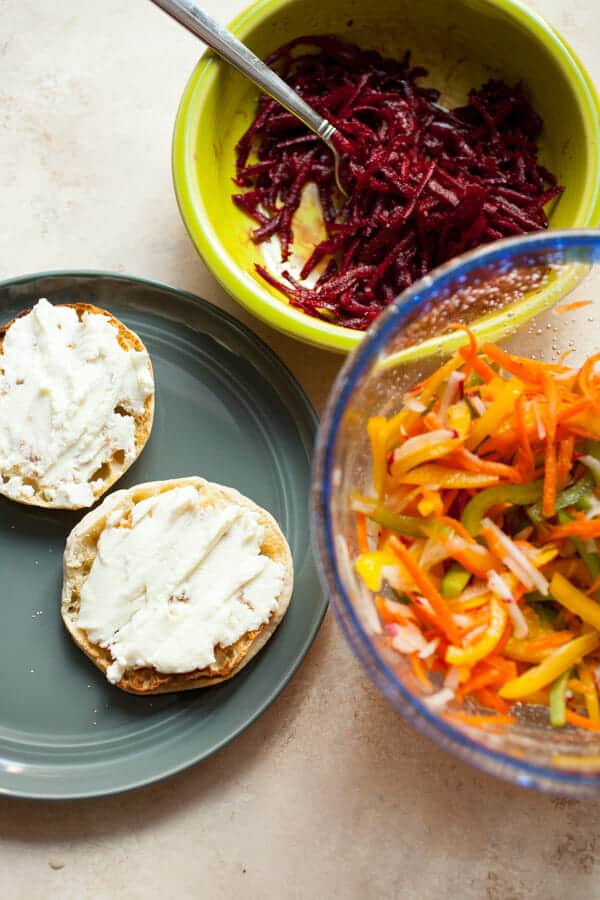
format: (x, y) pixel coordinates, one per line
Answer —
(425, 183)
(480, 541)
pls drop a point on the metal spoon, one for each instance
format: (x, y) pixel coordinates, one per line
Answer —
(219, 39)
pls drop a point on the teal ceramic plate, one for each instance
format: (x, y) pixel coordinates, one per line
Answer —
(226, 409)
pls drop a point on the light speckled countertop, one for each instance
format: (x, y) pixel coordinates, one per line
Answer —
(329, 794)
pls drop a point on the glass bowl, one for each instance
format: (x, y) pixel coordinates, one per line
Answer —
(528, 752)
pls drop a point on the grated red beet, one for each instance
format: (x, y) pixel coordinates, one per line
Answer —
(424, 183)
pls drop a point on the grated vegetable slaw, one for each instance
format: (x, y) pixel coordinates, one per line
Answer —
(488, 579)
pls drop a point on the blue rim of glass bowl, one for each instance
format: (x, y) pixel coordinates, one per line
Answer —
(525, 774)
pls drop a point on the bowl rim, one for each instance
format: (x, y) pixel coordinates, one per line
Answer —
(240, 284)
(441, 731)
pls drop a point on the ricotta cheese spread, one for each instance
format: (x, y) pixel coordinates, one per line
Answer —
(68, 397)
(175, 581)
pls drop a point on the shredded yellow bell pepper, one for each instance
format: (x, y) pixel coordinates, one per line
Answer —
(370, 565)
(398, 425)
(591, 693)
(516, 648)
(543, 556)
(553, 665)
(445, 477)
(468, 656)
(430, 504)
(575, 600)
(506, 395)
(459, 418)
(588, 422)
(440, 378)
(422, 454)
(376, 429)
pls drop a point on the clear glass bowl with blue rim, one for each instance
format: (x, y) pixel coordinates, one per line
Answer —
(539, 296)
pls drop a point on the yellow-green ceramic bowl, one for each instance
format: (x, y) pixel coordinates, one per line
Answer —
(461, 42)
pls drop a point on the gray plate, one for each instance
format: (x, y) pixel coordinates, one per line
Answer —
(226, 409)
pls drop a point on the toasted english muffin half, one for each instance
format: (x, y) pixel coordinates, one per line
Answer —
(25, 466)
(118, 511)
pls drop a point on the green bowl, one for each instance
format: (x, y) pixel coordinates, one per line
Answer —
(461, 42)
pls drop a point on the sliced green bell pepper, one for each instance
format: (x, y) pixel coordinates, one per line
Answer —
(455, 581)
(517, 494)
(569, 497)
(558, 700)
(409, 526)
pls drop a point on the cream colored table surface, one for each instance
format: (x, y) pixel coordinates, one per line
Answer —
(329, 794)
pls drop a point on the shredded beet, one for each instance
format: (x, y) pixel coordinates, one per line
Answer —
(424, 183)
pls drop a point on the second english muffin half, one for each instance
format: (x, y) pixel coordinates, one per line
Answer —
(76, 404)
(175, 585)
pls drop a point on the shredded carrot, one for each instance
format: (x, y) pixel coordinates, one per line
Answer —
(550, 461)
(444, 618)
(470, 354)
(478, 366)
(570, 307)
(525, 458)
(520, 366)
(457, 527)
(472, 557)
(573, 409)
(473, 362)
(387, 613)
(565, 355)
(587, 376)
(483, 679)
(362, 540)
(565, 459)
(501, 648)
(583, 528)
(548, 641)
(507, 666)
(423, 613)
(493, 701)
(550, 470)
(420, 674)
(464, 459)
(574, 718)
(473, 719)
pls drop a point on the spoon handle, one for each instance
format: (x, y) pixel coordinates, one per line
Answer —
(219, 39)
